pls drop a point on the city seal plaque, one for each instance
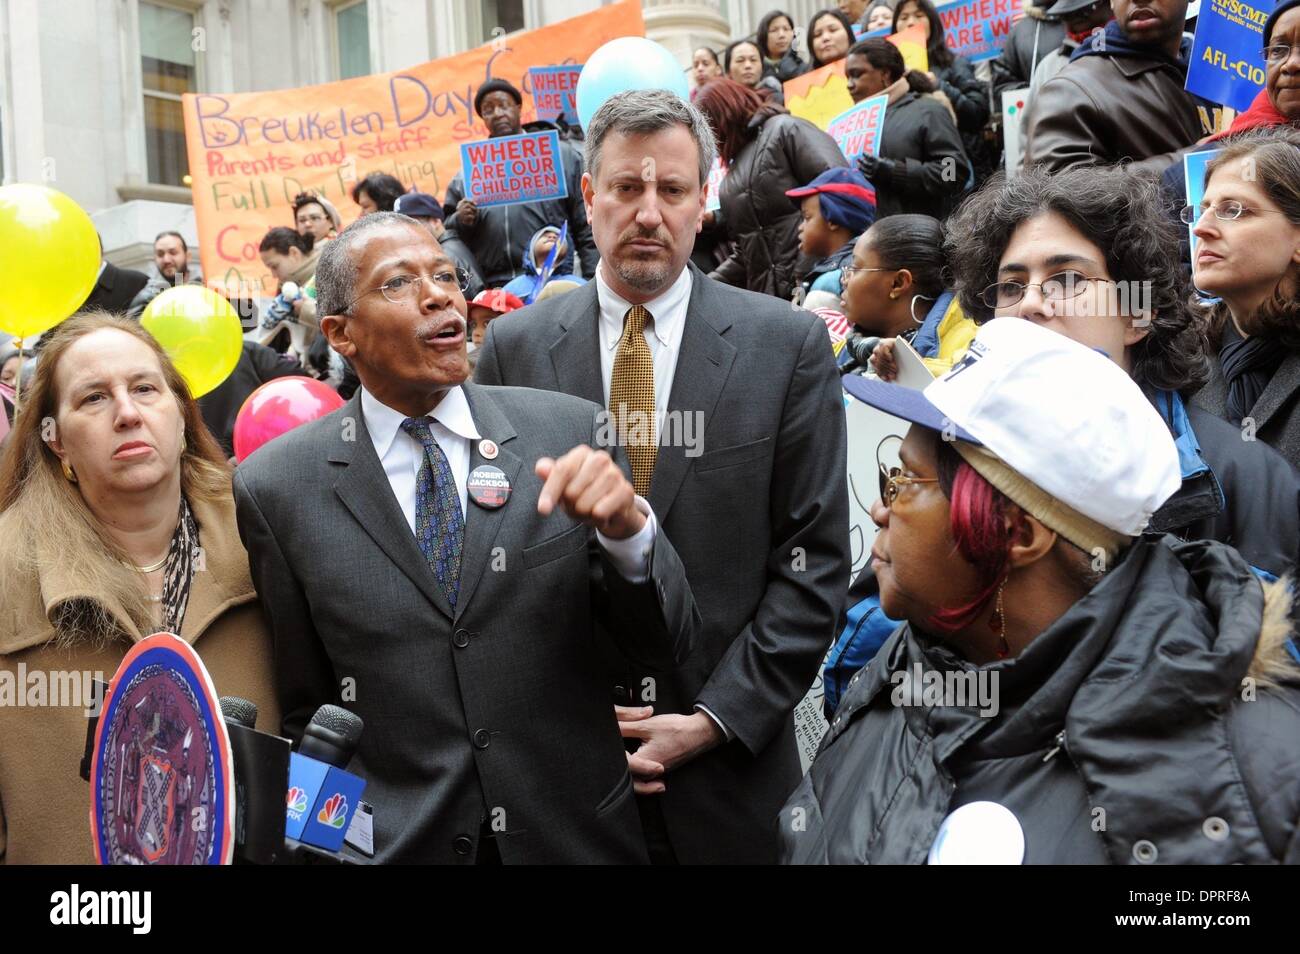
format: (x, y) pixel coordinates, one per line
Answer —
(161, 781)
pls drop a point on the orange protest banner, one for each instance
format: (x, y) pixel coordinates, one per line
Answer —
(251, 153)
(911, 43)
(820, 95)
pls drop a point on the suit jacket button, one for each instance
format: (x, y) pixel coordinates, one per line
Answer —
(462, 844)
(460, 638)
(482, 738)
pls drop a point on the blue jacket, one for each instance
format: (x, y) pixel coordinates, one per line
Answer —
(525, 285)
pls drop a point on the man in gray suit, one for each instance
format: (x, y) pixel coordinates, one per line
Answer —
(744, 466)
(425, 560)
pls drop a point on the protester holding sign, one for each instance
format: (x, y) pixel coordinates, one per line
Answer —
(498, 236)
(1121, 97)
(118, 522)
(956, 79)
(767, 151)
(922, 166)
(1087, 253)
(1248, 254)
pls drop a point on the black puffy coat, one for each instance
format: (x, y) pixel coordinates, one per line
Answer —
(1123, 733)
(760, 218)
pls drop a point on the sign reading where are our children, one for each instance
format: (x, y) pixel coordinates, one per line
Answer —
(857, 130)
(555, 92)
(1227, 62)
(250, 154)
(509, 169)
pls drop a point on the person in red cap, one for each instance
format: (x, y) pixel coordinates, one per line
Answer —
(486, 305)
(837, 207)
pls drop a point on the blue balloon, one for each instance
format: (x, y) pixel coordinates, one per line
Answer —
(628, 63)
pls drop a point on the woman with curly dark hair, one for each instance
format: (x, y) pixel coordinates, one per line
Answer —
(1087, 253)
(1247, 232)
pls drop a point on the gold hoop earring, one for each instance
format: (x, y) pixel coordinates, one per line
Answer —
(999, 623)
(68, 473)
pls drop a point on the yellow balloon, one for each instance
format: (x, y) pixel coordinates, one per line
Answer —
(200, 332)
(49, 258)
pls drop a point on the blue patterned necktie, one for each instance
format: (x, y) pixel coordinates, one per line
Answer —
(439, 524)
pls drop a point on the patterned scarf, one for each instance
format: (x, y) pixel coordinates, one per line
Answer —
(178, 573)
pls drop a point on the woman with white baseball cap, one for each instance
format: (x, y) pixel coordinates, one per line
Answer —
(1065, 689)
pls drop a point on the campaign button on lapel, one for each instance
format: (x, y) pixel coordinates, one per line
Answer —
(489, 487)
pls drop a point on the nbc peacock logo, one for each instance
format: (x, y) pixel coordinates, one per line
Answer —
(333, 811)
(297, 800)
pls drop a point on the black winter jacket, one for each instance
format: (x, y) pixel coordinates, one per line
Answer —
(761, 219)
(927, 167)
(1134, 729)
(970, 101)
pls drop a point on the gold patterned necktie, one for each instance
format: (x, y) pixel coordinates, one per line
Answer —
(632, 398)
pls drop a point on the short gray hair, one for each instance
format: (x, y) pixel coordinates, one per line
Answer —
(336, 269)
(643, 111)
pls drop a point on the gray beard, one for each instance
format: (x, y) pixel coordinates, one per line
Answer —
(643, 276)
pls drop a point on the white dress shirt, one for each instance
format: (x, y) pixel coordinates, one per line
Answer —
(663, 333)
(453, 428)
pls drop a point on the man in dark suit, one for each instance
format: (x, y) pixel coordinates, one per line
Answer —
(425, 560)
(115, 286)
(744, 466)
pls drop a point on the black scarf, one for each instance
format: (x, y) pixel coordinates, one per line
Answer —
(1248, 365)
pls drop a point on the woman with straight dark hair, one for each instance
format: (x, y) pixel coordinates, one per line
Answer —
(775, 38)
(830, 34)
(767, 152)
(1247, 253)
(743, 62)
(1087, 253)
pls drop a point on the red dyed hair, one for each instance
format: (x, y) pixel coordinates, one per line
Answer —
(729, 106)
(977, 519)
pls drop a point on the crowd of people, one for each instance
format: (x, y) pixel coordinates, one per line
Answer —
(1093, 506)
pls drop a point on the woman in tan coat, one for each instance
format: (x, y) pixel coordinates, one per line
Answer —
(116, 522)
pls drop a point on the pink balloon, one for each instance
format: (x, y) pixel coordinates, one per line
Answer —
(279, 406)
